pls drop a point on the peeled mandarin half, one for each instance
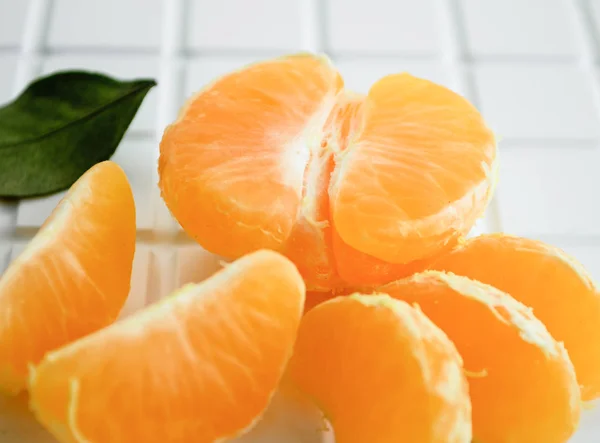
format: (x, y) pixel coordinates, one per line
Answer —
(381, 372)
(353, 188)
(74, 276)
(521, 382)
(199, 366)
(546, 279)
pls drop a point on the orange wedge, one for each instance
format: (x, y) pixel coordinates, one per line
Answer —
(73, 278)
(560, 291)
(381, 372)
(521, 382)
(199, 366)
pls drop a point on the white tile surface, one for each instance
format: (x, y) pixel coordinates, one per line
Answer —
(594, 13)
(122, 67)
(550, 191)
(589, 428)
(108, 23)
(138, 159)
(201, 71)
(588, 255)
(139, 281)
(242, 24)
(12, 19)
(162, 273)
(537, 101)
(4, 253)
(382, 26)
(7, 215)
(519, 27)
(32, 213)
(194, 265)
(8, 70)
(163, 220)
(360, 74)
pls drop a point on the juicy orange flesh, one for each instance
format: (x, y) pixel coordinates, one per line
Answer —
(309, 245)
(240, 150)
(522, 389)
(360, 362)
(73, 278)
(215, 351)
(544, 278)
(421, 148)
(279, 155)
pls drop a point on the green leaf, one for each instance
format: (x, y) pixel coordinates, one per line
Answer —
(62, 125)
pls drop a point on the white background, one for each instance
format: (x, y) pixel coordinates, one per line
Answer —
(530, 66)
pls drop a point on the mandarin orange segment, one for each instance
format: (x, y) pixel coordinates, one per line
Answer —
(418, 174)
(381, 372)
(74, 276)
(201, 365)
(232, 167)
(351, 188)
(521, 382)
(546, 279)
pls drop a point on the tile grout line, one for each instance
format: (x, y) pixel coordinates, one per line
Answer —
(312, 25)
(168, 91)
(170, 48)
(28, 67)
(161, 282)
(453, 47)
(192, 53)
(454, 58)
(33, 43)
(586, 36)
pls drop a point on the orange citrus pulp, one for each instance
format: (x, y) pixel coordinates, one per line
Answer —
(544, 278)
(521, 382)
(355, 189)
(200, 365)
(73, 278)
(381, 372)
